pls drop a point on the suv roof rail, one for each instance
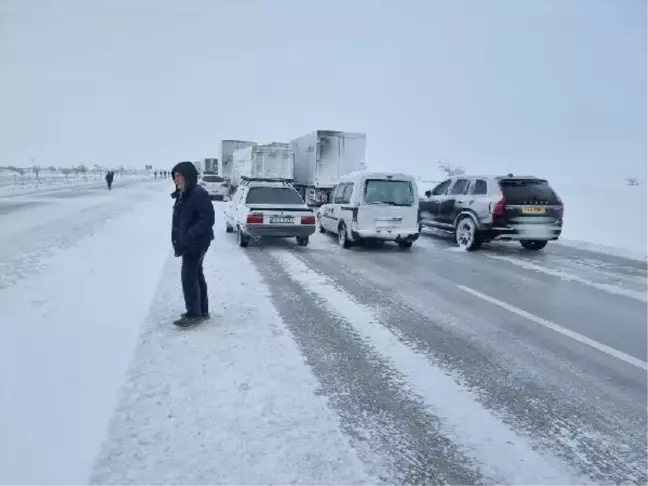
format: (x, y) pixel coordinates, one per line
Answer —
(245, 179)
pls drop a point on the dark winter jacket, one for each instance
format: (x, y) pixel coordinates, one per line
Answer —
(193, 213)
(109, 177)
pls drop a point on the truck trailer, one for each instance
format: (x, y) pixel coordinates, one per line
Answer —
(270, 161)
(228, 147)
(211, 165)
(323, 156)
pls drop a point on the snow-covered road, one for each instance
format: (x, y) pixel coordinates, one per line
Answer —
(319, 365)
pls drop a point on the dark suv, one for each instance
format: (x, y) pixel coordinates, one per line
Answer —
(479, 209)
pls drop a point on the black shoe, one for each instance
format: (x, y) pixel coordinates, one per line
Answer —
(204, 316)
(187, 321)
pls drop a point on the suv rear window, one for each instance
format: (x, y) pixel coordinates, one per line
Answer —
(213, 178)
(528, 190)
(396, 193)
(273, 195)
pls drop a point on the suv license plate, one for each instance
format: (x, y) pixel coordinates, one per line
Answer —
(533, 210)
(282, 220)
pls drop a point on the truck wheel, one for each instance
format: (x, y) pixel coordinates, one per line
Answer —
(533, 245)
(302, 240)
(466, 234)
(242, 240)
(343, 237)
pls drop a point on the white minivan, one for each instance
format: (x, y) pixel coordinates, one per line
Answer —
(372, 206)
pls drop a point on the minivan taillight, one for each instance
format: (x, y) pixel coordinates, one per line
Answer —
(354, 215)
(255, 218)
(498, 207)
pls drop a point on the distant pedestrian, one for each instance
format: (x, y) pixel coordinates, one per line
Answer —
(110, 175)
(156, 174)
(191, 234)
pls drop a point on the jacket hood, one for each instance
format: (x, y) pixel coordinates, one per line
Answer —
(190, 173)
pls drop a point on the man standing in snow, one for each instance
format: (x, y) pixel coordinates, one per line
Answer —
(191, 234)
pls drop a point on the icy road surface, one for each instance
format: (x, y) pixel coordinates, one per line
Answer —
(319, 365)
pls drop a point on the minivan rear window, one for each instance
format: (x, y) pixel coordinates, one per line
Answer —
(528, 190)
(386, 191)
(212, 178)
(273, 195)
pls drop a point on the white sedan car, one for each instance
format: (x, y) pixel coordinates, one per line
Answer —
(268, 208)
(216, 186)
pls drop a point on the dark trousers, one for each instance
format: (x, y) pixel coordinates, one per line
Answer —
(194, 286)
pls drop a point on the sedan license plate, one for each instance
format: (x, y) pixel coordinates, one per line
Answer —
(282, 220)
(533, 210)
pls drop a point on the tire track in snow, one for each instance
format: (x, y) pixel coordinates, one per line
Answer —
(501, 454)
(377, 408)
(586, 411)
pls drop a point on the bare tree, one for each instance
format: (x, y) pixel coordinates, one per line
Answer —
(82, 169)
(450, 170)
(52, 169)
(36, 170)
(632, 181)
(66, 171)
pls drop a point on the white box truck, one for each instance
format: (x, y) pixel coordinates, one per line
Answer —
(211, 165)
(323, 156)
(270, 161)
(228, 147)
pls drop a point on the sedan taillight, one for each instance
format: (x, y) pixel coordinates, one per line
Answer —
(308, 220)
(255, 218)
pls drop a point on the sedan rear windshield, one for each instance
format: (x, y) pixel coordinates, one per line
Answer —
(273, 195)
(385, 191)
(213, 178)
(528, 190)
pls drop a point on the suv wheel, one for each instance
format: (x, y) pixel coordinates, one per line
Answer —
(466, 234)
(343, 238)
(533, 245)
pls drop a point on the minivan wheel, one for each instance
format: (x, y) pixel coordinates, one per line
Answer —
(533, 245)
(343, 238)
(241, 239)
(466, 234)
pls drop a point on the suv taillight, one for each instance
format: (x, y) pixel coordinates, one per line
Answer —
(255, 218)
(498, 207)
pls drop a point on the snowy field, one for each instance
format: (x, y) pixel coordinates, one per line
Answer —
(11, 184)
(319, 365)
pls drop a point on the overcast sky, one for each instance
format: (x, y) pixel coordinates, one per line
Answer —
(549, 87)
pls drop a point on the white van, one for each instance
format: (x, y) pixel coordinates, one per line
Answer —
(378, 206)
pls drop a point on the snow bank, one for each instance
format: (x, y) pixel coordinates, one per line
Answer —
(608, 218)
(69, 328)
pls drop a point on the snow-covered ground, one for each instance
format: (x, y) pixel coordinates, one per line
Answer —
(318, 366)
(610, 218)
(12, 184)
(76, 282)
